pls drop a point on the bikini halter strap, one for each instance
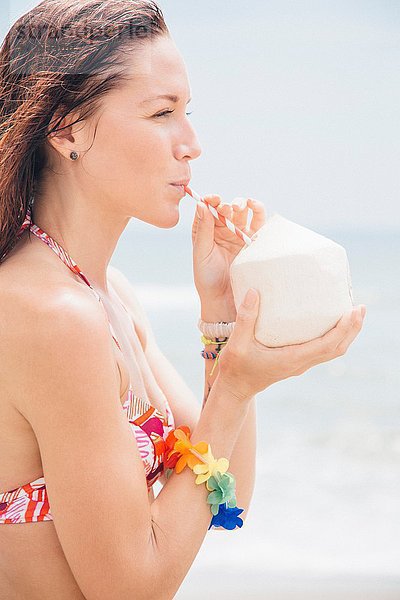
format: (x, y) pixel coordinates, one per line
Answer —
(59, 250)
(64, 256)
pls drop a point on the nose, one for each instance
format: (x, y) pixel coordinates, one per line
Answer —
(187, 146)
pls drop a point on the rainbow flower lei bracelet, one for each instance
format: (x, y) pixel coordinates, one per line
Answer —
(180, 452)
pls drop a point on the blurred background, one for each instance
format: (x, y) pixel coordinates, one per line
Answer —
(296, 104)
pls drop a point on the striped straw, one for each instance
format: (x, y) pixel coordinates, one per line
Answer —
(219, 217)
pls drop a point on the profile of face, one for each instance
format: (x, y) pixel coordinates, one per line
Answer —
(137, 143)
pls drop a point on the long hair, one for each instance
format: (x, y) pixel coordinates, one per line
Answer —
(61, 56)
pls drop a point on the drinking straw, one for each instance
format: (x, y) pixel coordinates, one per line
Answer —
(219, 217)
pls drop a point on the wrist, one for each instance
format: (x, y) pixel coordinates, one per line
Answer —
(222, 387)
(214, 311)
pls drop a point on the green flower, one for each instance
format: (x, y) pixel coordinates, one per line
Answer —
(222, 488)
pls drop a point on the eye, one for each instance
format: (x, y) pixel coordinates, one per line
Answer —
(164, 113)
(168, 112)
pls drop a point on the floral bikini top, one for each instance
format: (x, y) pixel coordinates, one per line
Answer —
(29, 503)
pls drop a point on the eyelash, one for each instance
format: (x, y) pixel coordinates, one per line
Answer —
(168, 112)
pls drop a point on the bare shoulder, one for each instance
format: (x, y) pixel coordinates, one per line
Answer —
(26, 307)
(39, 319)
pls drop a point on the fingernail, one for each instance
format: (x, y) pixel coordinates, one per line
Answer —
(250, 298)
(363, 310)
(240, 203)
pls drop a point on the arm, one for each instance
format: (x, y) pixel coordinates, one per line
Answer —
(243, 459)
(185, 407)
(180, 513)
(117, 545)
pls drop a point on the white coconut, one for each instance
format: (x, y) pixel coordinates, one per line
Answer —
(303, 280)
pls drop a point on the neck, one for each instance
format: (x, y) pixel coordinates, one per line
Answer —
(85, 226)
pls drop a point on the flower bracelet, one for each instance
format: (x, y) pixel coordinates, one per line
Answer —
(214, 473)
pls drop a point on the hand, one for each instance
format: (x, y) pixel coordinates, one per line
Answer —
(215, 246)
(247, 367)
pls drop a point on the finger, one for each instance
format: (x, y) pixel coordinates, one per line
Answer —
(259, 215)
(343, 346)
(226, 210)
(346, 329)
(216, 202)
(213, 199)
(240, 212)
(324, 347)
(239, 202)
(243, 332)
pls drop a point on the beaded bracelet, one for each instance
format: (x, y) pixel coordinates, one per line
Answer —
(214, 473)
(219, 342)
(207, 355)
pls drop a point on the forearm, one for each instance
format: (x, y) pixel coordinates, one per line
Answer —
(180, 513)
(243, 459)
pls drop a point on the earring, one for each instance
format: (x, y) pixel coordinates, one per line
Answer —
(74, 155)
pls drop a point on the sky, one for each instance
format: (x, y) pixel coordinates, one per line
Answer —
(295, 103)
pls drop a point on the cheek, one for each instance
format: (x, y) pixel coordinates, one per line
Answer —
(130, 150)
(132, 164)
(141, 160)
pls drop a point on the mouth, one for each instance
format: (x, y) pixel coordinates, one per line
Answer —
(181, 182)
(179, 187)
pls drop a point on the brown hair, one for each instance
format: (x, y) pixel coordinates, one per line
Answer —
(61, 56)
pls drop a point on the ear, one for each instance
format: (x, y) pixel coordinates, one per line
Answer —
(66, 137)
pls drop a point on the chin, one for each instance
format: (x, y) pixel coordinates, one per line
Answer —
(169, 221)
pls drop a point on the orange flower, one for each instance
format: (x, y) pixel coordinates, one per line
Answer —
(179, 449)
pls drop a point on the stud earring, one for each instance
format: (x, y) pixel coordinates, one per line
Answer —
(74, 155)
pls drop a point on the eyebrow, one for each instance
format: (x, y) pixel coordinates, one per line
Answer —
(171, 97)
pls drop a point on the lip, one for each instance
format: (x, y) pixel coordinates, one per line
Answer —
(179, 188)
(181, 182)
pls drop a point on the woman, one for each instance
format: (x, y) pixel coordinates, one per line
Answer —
(94, 131)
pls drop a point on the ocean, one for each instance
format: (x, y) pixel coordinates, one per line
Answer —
(325, 517)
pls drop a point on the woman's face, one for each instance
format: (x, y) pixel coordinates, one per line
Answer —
(142, 143)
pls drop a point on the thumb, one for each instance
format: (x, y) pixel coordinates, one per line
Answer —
(247, 314)
(203, 229)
